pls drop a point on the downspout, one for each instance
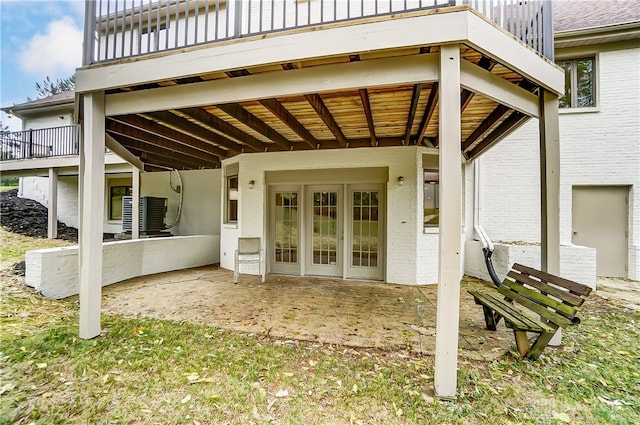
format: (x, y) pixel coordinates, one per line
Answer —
(487, 245)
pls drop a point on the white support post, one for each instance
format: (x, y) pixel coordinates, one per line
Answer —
(52, 208)
(550, 188)
(135, 207)
(91, 214)
(448, 306)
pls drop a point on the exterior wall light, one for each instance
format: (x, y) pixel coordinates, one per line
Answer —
(400, 181)
(252, 183)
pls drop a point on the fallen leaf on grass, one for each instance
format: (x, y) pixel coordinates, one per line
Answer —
(562, 417)
(282, 393)
(41, 365)
(186, 399)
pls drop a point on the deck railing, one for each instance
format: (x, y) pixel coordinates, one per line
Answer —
(116, 29)
(42, 143)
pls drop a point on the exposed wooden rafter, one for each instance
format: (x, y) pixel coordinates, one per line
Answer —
(181, 143)
(290, 121)
(195, 130)
(170, 151)
(276, 108)
(323, 112)
(484, 126)
(415, 97)
(247, 118)
(432, 102)
(366, 106)
(222, 126)
(507, 126)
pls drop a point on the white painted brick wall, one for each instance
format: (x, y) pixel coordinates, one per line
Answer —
(577, 263)
(54, 273)
(404, 208)
(598, 147)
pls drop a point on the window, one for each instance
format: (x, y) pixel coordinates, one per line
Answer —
(231, 212)
(115, 201)
(431, 202)
(579, 83)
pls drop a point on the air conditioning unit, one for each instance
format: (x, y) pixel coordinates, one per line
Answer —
(152, 214)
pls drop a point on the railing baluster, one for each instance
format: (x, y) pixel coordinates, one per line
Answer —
(206, 20)
(109, 20)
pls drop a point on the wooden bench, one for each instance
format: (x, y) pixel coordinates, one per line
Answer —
(532, 301)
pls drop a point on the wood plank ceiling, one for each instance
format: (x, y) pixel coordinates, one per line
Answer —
(195, 138)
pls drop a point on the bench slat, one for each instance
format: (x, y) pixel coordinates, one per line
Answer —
(565, 296)
(514, 318)
(552, 316)
(576, 288)
(564, 309)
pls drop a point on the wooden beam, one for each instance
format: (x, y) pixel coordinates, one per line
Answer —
(366, 105)
(449, 252)
(484, 126)
(91, 181)
(549, 182)
(415, 97)
(153, 159)
(515, 120)
(114, 146)
(216, 123)
(498, 89)
(290, 121)
(247, 118)
(323, 112)
(316, 79)
(151, 127)
(197, 131)
(116, 127)
(466, 95)
(166, 152)
(432, 102)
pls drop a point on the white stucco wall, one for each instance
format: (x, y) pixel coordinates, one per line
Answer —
(599, 146)
(54, 272)
(201, 206)
(404, 236)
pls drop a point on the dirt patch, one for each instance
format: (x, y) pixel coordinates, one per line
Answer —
(622, 292)
(28, 217)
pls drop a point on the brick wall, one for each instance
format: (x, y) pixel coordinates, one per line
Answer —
(599, 146)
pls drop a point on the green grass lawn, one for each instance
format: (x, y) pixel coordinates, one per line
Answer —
(143, 371)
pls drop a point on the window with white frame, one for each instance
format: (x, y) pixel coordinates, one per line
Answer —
(231, 212)
(579, 83)
(431, 201)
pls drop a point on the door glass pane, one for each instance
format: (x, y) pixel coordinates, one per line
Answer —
(325, 228)
(286, 227)
(364, 250)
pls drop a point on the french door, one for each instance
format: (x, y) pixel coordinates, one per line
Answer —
(327, 230)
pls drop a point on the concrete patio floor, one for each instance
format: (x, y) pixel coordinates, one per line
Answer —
(331, 311)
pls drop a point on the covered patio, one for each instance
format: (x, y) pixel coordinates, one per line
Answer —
(330, 311)
(446, 82)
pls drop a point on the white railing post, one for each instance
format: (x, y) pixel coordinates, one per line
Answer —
(89, 31)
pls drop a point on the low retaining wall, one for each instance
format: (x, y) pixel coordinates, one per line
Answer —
(577, 263)
(54, 272)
